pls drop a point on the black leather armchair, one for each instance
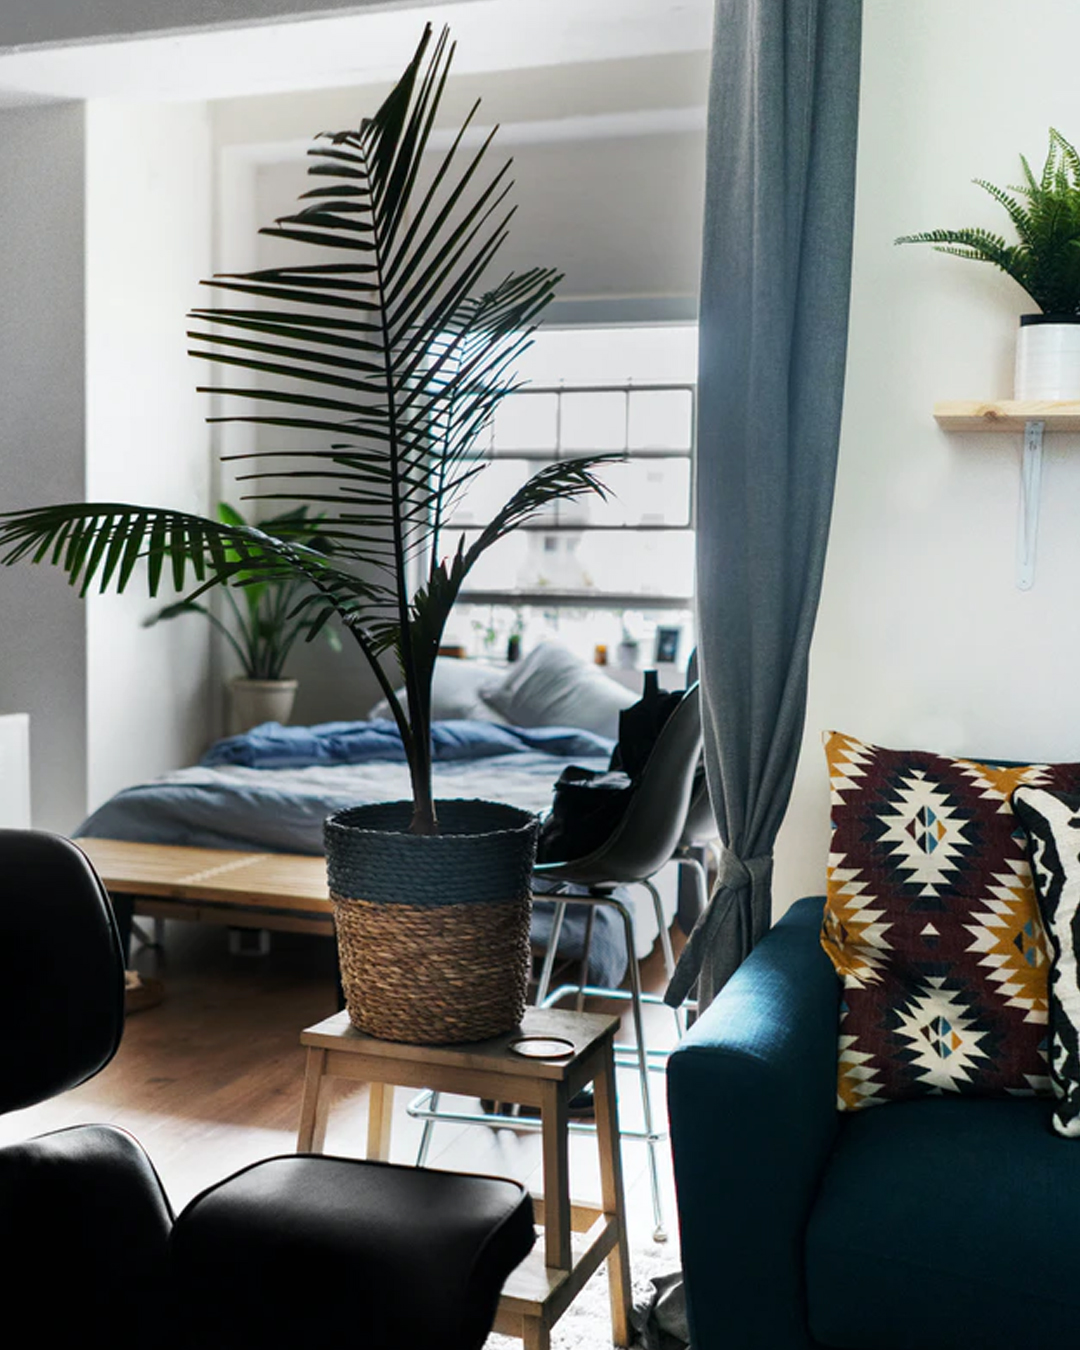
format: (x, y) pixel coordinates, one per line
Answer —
(298, 1245)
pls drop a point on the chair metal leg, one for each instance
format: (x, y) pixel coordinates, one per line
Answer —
(549, 956)
(700, 877)
(425, 1137)
(659, 1233)
(665, 945)
(583, 971)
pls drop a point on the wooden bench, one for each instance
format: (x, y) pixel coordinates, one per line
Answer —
(285, 892)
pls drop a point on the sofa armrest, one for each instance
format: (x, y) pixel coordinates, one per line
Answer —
(752, 1102)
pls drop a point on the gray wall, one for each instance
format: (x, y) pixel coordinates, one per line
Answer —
(49, 21)
(148, 233)
(43, 624)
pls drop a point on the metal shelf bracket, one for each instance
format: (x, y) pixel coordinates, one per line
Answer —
(1027, 525)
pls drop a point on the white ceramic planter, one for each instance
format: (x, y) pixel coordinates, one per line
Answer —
(254, 701)
(1048, 358)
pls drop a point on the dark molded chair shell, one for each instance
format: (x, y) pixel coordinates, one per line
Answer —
(61, 969)
(650, 831)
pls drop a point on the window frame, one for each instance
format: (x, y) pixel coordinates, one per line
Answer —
(545, 597)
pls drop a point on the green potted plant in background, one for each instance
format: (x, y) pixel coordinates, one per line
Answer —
(265, 626)
(1045, 212)
(376, 365)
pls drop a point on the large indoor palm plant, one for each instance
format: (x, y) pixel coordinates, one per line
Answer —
(378, 370)
(374, 367)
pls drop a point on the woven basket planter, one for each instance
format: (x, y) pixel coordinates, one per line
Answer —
(433, 930)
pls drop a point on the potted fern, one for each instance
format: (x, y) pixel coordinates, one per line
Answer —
(1045, 213)
(375, 366)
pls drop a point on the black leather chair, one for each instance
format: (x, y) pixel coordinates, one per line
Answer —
(293, 1246)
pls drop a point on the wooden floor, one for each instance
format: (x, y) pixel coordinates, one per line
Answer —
(211, 1079)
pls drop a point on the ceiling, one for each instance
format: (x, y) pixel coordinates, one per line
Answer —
(355, 49)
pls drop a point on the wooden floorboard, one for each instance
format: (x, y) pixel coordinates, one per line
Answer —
(211, 1079)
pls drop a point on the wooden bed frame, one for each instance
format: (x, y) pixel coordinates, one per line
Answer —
(285, 892)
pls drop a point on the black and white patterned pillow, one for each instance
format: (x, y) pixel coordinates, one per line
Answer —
(1052, 822)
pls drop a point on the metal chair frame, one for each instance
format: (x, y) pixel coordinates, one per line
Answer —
(650, 834)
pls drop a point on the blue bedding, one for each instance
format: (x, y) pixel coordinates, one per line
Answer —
(272, 788)
(273, 746)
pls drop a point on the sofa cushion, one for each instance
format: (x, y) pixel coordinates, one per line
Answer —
(947, 1225)
(1052, 822)
(932, 924)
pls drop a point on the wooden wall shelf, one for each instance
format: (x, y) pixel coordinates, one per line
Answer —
(1007, 414)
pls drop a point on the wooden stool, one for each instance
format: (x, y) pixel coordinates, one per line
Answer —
(577, 1237)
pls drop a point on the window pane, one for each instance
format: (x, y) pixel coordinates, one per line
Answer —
(660, 419)
(486, 494)
(643, 492)
(588, 563)
(653, 353)
(593, 422)
(526, 422)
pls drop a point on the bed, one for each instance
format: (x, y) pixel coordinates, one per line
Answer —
(271, 788)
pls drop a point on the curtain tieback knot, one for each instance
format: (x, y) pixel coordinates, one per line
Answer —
(736, 873)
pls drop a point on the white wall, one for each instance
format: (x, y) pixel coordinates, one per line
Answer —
(148, 243)
(923, 639)
(42, 623)
(608, 170)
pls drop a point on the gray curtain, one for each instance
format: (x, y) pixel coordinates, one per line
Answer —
(783, 106)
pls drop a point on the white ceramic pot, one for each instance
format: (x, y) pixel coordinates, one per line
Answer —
(252, 702)
(1048, 357)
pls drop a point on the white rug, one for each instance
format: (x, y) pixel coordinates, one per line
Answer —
(586, 1324)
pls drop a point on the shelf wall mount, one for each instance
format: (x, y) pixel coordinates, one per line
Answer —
(1032, 418)
(1027, 521)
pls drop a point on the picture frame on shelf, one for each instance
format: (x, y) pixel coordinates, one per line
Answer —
(667, 645)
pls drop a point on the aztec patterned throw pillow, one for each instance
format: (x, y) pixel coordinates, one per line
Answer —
(932, 924)
(1052, 821)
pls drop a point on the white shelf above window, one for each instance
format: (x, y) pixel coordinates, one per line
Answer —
(545, 599)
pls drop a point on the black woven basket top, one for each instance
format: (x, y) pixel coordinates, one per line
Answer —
(484, 854)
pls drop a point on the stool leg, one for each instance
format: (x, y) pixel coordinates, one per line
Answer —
(312, 1130)
(380, 1114)
(611, 1189)
(555, 1122)
(536, 1335)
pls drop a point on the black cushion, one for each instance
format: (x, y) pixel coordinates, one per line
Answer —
(301, 1248)
(61, 969)
(84, 1230)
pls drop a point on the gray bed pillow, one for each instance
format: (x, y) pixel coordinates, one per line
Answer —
(455, 692)
(552, 687)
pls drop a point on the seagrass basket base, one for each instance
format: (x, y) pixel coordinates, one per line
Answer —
(434, 974)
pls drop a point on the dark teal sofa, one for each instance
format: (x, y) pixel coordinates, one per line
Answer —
(938, 1224)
